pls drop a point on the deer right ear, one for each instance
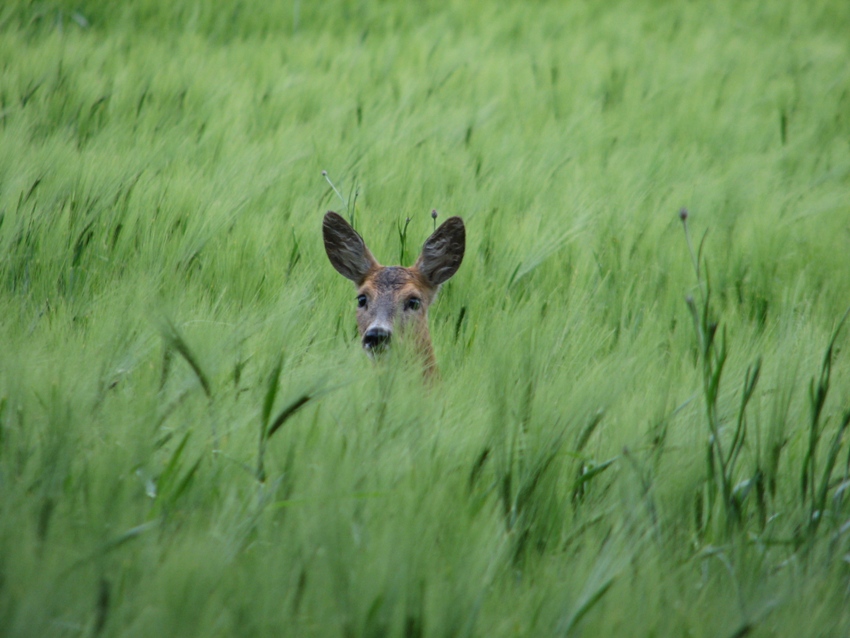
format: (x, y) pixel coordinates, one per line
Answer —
(346, 249)
(443, 251)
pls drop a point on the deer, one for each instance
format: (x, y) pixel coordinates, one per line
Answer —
(394, 300)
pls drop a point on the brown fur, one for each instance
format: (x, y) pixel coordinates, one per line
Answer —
(389, 293)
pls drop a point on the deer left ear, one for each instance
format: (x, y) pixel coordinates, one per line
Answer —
(443, 251)
(346, 250)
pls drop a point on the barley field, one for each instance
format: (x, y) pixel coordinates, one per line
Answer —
(641, 423)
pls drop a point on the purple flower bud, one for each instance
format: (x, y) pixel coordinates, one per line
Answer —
(434, 214)
(683, 214)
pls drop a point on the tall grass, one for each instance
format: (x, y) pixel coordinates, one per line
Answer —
(191, 442)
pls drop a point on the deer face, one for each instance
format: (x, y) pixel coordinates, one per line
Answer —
(394, 299)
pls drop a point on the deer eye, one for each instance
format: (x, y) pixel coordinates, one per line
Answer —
(413, 303)
(361, 301)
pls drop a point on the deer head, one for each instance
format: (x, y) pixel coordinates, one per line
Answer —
(394, 300)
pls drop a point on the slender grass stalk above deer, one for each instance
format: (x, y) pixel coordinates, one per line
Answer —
(394, 300)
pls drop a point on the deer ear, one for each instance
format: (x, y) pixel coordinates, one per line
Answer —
(346, 249)
(442, 253)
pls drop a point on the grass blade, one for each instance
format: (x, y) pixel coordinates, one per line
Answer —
(176, 341)
(286, 413)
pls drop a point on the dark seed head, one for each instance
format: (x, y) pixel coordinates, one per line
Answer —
(683, 214)
(434, 214)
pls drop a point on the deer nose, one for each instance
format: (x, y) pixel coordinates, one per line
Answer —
(376, 339)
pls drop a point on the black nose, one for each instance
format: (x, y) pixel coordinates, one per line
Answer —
(376, 339)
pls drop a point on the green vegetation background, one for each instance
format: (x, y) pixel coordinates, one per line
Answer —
(192, 443)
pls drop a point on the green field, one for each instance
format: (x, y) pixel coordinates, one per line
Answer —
(640, 427)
